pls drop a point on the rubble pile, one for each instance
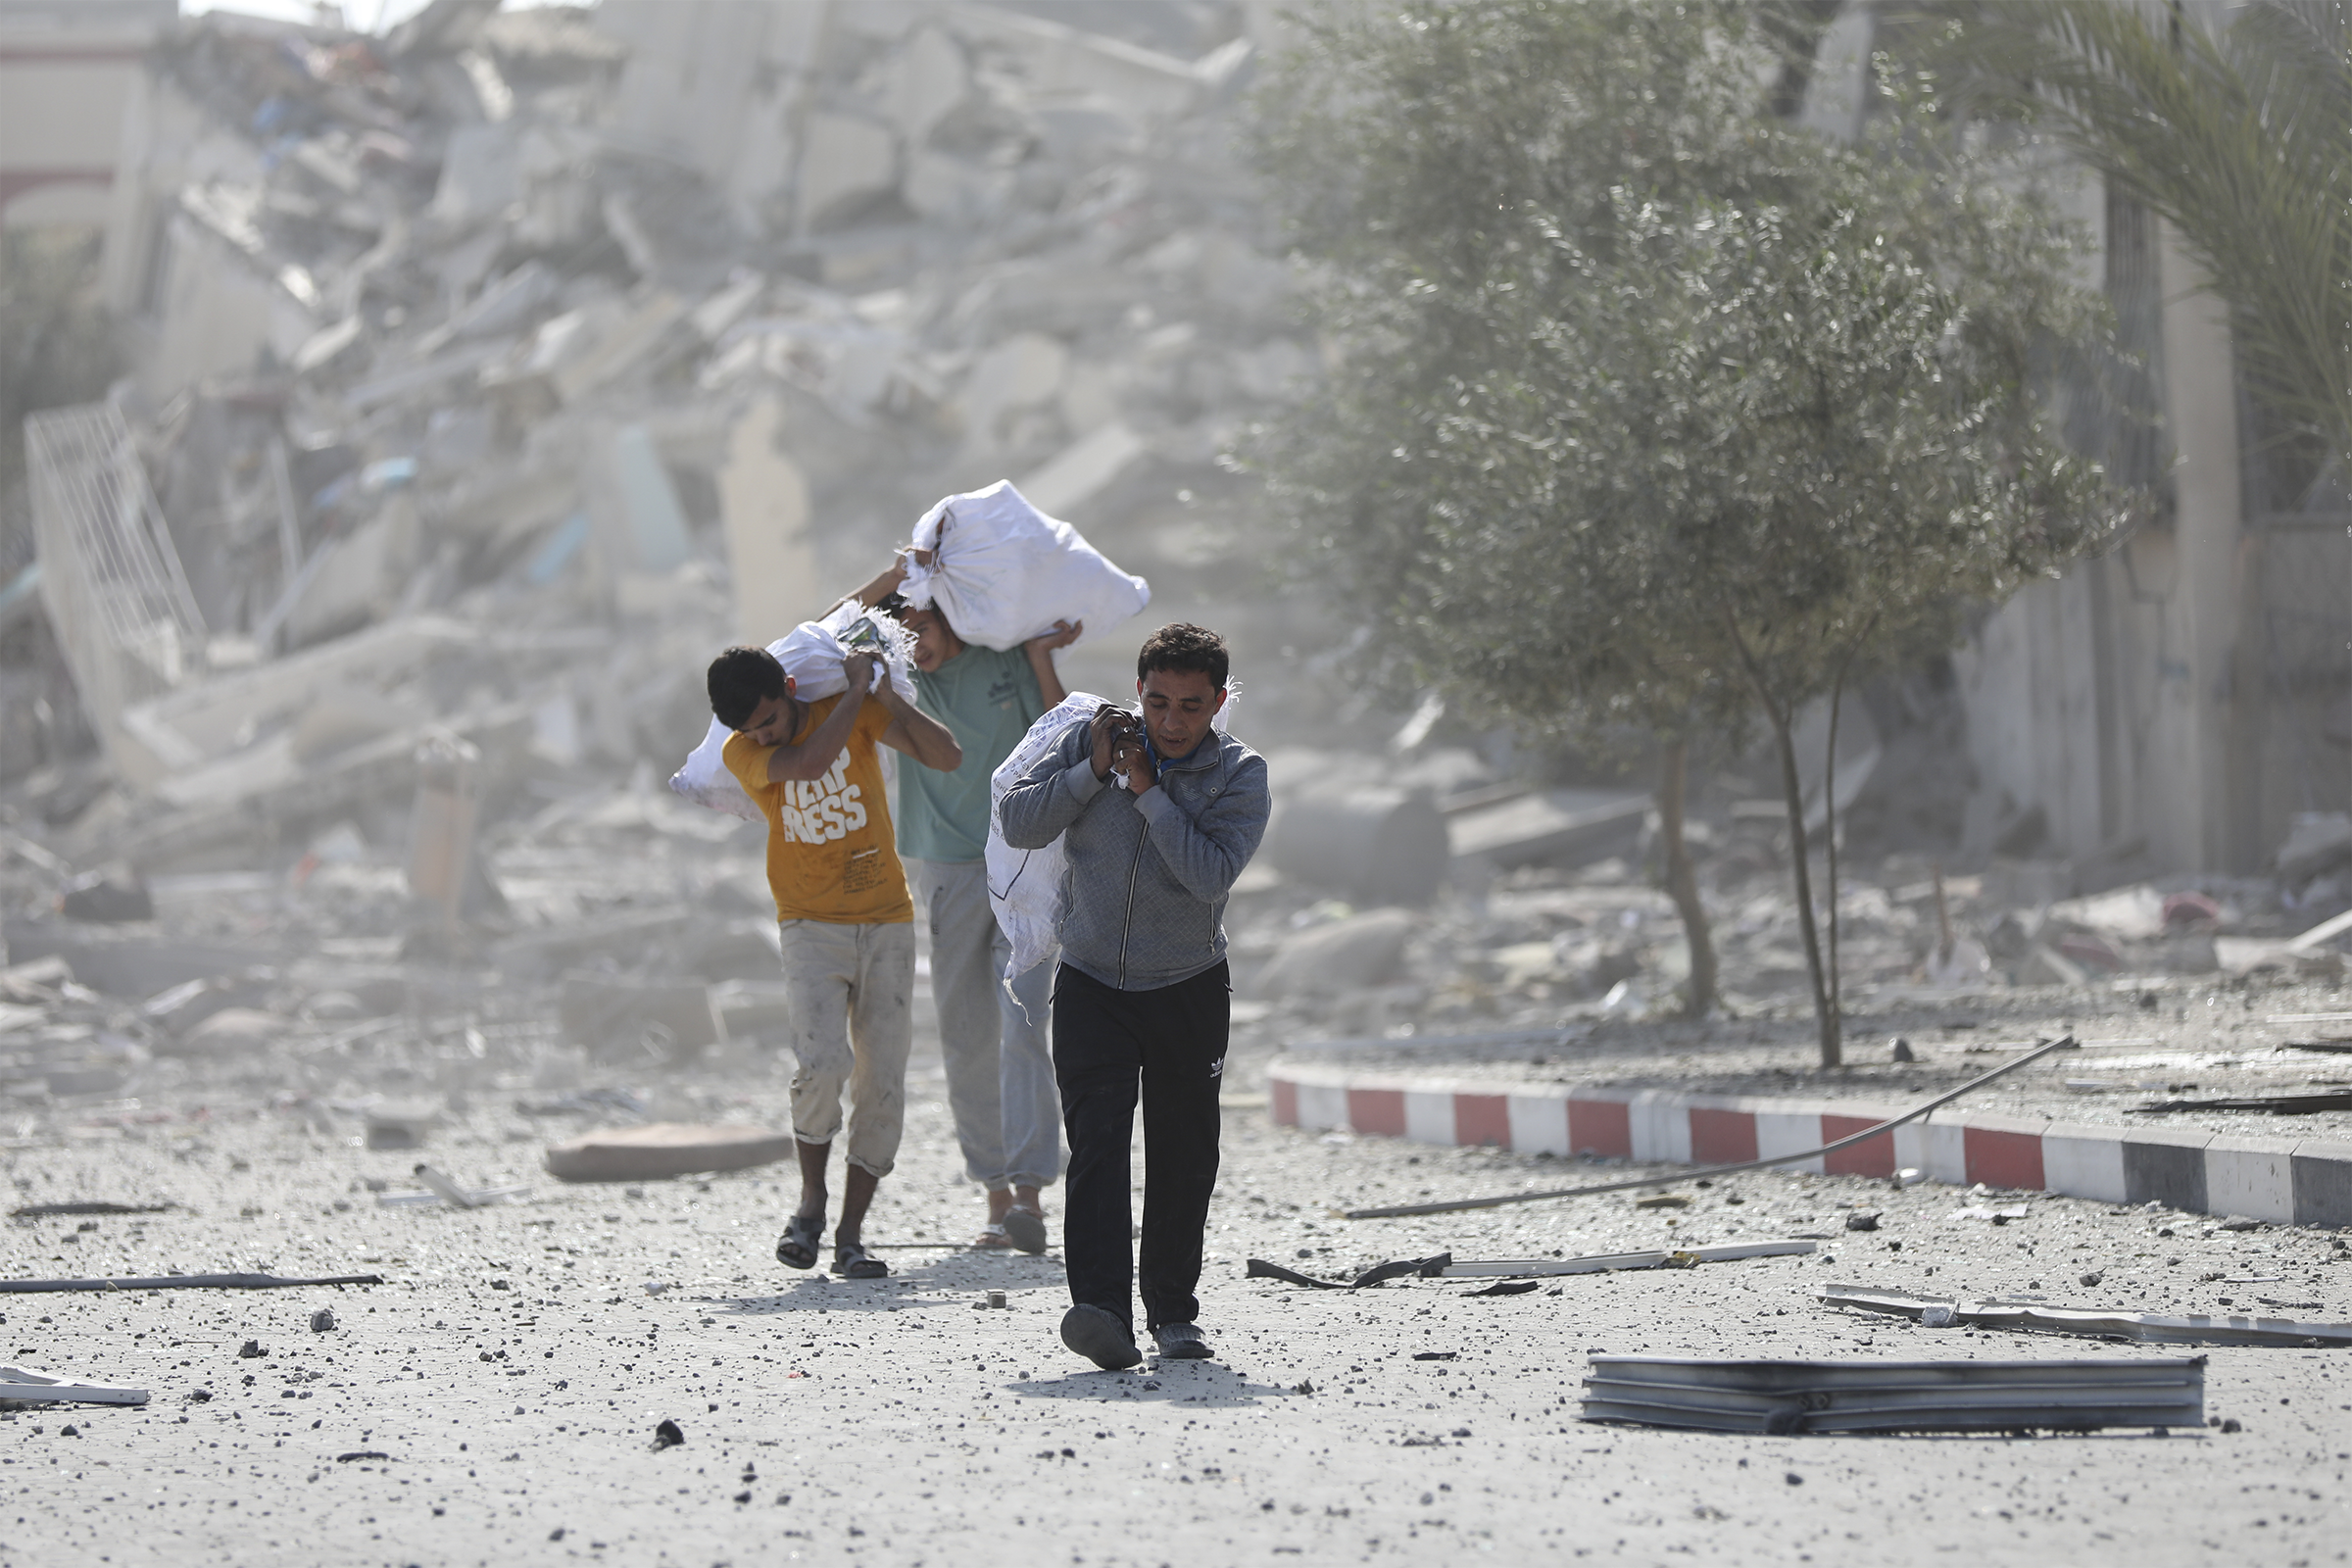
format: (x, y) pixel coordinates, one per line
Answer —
(487, 380)
(490, 374)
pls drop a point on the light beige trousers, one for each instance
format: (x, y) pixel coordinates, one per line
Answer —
(851, 990)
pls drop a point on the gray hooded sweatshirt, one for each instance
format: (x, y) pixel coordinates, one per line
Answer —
(1146, 880)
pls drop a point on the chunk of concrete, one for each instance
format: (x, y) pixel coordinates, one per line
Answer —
(1365, 950)
(846, 164)
(1385, 846)
(922, 81)
(664, 1148)
(2315, 842)
(1025, 371)
(231, 1032)
(1084, 470)
(633, 508)
(763, 508)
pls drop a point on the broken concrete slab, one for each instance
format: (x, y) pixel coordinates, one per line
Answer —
(1562, 826)
(1382, 845)
(1344, 956)
(664, 1149)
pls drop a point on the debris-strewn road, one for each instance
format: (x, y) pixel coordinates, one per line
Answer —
(497, 1401)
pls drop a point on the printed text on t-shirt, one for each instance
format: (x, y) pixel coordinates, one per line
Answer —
(817, 810)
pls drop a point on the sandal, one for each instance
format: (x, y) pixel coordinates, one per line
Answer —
(1025, 1227)
(802, 1235)
(993, 1237)
(851, 1262)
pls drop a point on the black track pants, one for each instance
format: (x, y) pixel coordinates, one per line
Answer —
(1171, 1043)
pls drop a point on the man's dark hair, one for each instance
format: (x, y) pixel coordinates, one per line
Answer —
(740, 680)
(1185, 646)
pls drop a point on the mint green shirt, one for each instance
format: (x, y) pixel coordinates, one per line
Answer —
(988, 700)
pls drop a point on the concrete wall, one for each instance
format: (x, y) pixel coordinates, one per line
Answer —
(68, 68)
(2132, 699)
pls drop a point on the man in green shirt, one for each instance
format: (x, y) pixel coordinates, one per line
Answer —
(999, 1065)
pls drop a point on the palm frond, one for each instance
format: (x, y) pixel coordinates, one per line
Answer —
(2241, 140)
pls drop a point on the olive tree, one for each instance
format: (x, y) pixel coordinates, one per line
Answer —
(1648, 409)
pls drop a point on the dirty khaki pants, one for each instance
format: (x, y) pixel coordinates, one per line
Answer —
(1000, 1066)
(849, 988)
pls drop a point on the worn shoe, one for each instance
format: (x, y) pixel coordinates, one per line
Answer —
(1026, 1228)
(1181, 1342)
(1100, 1337)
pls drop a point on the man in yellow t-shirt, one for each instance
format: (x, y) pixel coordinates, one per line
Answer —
(843, 913)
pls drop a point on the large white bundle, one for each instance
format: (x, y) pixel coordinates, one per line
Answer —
(811, 654)
(1024, 886)
(1003, 572)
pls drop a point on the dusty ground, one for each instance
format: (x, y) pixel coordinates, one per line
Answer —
(512, 1370)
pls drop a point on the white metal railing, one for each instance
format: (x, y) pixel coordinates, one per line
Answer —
(116, 596)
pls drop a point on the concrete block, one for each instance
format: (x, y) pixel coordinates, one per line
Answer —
(1343, 956)
(664, 1149)
(1873, 1156)
(1784, 1132)
(1481, 1121)
(1379, 1112)
(845, 163)
(1935, 1147)
(481, 174)
(1539, 1124)
(1721, 1134)
(2323, 1173)
(1322, 1106)
(2004, 1152)
(954, 190)
(2084, 1161)
(1429, 1116)
(923, 81)
(2251, 1176)
(1601, 1124)
(1659, 1124)
(2165, 1166)
(763, 506)
(1023, 371)
(1084, 470)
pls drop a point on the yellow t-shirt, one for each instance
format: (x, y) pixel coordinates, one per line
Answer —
(831, 854)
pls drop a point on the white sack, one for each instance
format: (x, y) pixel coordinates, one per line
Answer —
(1003, 572)
(1024, 886)
(812, 655)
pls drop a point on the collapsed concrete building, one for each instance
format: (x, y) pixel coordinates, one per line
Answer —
(486, 376)
(662, 317)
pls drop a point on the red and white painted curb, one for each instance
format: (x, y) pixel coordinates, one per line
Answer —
(2289, 1181)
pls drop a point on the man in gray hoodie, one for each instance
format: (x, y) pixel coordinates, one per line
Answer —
(1158, 817)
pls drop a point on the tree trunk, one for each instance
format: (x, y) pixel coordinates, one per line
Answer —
(1829, 830)
(1682, 878)
(1832, 1038)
